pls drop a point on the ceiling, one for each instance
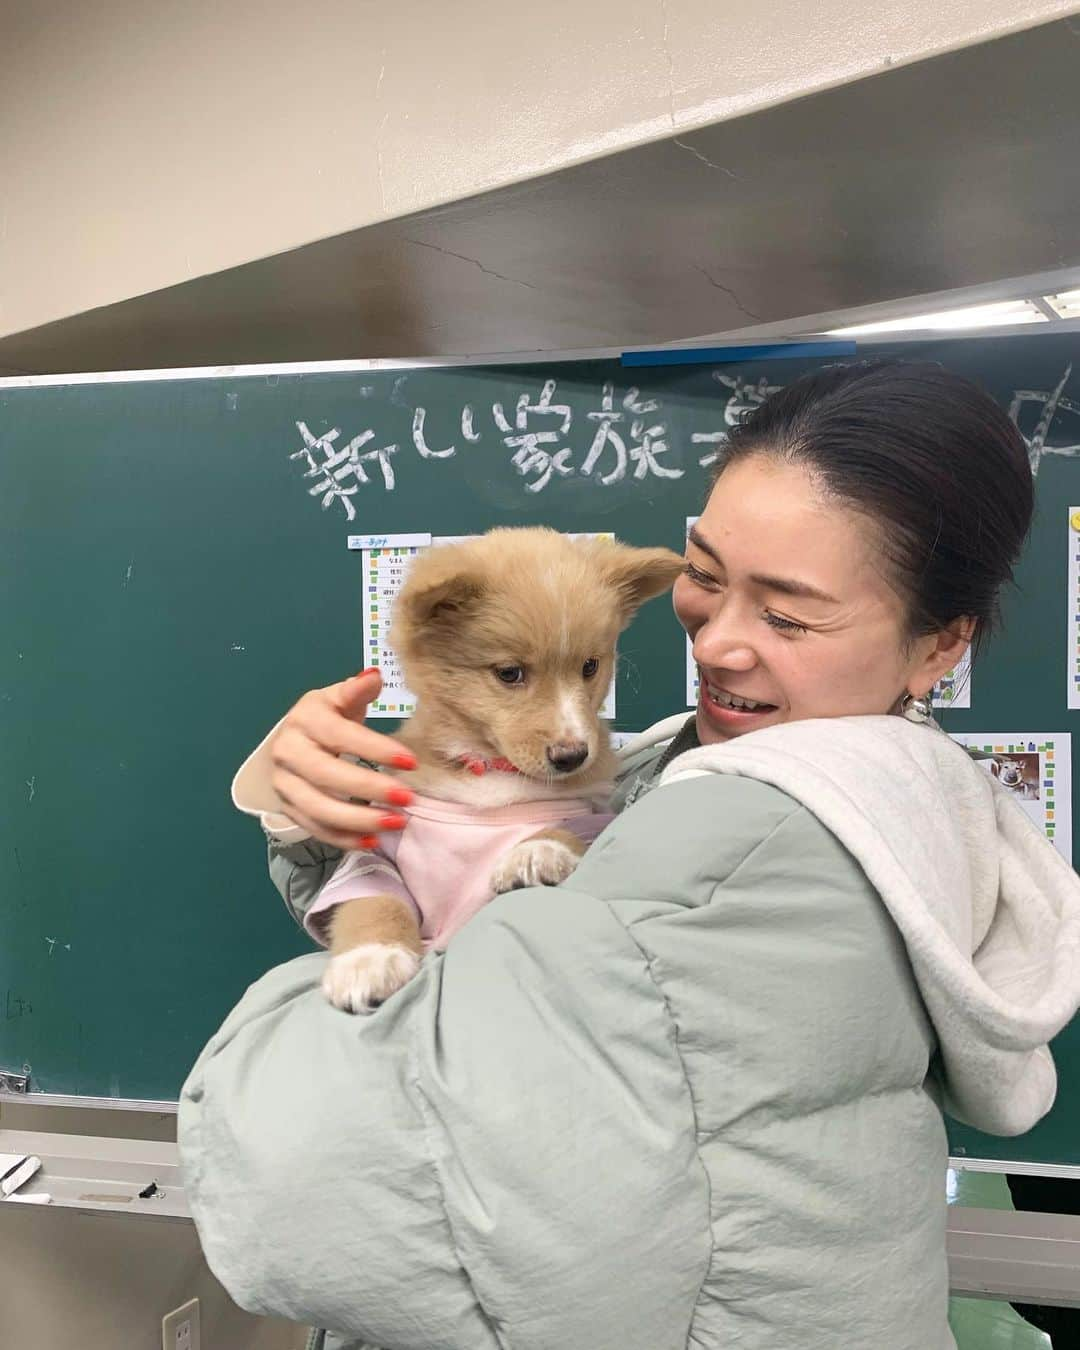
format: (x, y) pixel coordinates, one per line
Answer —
(954, 173)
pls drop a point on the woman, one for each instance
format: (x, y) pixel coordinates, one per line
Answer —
(693, 1096)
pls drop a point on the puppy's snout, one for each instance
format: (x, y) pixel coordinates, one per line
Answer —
(565, 756)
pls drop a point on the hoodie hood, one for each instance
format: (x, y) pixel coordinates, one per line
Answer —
(988, 909)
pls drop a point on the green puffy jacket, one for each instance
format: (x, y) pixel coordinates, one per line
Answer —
(686, 1099)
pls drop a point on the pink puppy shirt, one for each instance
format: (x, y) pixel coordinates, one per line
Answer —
(442, 862)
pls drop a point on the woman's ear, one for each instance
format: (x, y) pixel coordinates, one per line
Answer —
(943, 651)
(638, 574)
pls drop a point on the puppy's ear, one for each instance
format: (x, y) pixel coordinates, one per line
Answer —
(638, 574)
(441, 586)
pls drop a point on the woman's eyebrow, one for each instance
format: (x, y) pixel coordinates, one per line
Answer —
(788, 587)
(698, 540)
(785, 585)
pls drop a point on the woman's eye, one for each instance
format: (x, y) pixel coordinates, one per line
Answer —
(698, 576)
(510, 674)
(783, 625)
(591, 666)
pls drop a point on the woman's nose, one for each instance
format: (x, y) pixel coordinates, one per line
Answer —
(720, 644)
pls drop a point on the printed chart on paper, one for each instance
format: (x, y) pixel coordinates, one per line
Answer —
(1036, 770)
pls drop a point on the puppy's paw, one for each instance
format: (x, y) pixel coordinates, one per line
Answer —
(534, 862)
(364, 976)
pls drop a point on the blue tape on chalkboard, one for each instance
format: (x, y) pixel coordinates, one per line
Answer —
(763, 351)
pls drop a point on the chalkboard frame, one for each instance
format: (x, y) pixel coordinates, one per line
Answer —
(538, 359)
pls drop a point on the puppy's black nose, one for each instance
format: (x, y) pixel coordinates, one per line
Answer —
(565, 756)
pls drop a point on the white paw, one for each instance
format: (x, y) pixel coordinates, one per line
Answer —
(360, 978)
(534, 862)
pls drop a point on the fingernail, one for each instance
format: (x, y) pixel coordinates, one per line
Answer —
(400, 796)
(371, 670)
(393, 821)
(404, 762)
(367, 842)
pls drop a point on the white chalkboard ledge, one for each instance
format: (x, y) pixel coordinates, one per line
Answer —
(100, 1175)
(1015, 1255)
(993, 1253)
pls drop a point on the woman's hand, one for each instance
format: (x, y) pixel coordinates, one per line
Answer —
(315, 784)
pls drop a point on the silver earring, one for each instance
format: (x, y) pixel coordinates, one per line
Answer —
(920, 710)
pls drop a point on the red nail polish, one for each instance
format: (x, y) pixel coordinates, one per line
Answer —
(404, 761)
(393, 821)
(400, 796)
(371, 670)
(367, 842)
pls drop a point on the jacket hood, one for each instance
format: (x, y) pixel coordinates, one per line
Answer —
(988, 909)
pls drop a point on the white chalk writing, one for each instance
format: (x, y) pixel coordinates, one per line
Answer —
(339, 465)
(467, 424)
(425, 451)
(623, 437)
(531, 454)
(1051, 404)
(743, 399)
(646, 442)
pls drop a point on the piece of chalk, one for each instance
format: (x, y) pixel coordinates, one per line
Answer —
(9, 1162)
(20, 1175)
(39, 1198)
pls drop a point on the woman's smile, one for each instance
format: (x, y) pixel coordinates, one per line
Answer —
(733, 712)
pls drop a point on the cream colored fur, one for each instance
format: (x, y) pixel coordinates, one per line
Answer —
(514, 597)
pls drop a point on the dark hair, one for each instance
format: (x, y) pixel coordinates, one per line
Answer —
(928, 456)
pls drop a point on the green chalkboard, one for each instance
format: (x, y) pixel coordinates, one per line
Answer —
(175, 571)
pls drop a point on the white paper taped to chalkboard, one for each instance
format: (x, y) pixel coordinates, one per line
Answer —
(1072, 618)
(366, 541)
(1035, 768)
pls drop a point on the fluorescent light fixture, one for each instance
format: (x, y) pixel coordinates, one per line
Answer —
(999, 313)
(1066, 304)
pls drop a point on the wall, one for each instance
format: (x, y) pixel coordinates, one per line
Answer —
(99, 1282)
(146, 145)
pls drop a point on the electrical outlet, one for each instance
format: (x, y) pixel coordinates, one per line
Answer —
(180, 1328)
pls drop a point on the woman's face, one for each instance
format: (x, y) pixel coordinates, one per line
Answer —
(786, 601)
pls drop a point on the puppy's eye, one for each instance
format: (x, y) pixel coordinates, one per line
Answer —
(591, 666)
(510, 674)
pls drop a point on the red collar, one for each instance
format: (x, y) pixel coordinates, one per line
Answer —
(479, 766)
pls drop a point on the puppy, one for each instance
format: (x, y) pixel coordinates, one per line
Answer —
(508, 643)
